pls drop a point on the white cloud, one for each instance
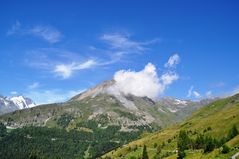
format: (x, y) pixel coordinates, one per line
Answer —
(120, 47)
(219, 84)
(143, 83)
(14, 92)
(51, 96)
(85, 65)
(172, 61)
(123, 43)
(61, 63)
(190, 91)
(193, 93)
(45, 32)
(66, 70)
(168, 78)
(120, 41)
(234, 91)
(34, 85)
(209, 94)
(14, 29)
(63, 70)
(65, 63)
(196, 94)
(48, 58)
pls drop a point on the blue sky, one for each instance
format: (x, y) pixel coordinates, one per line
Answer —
(51, 51)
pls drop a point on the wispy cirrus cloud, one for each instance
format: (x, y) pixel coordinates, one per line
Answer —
(193, 93)
(196, 94)
(233, 91)
(48, 58)
(45, 32)
(64, 63)
(66, 70)
(13, 92)
(33, 85)
(172, 61)
(209, 94)
(61, 63)
(15, 28)
(123, 43)
(120, 47)
(219, 84)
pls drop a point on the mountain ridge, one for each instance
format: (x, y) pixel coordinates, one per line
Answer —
(99, 101)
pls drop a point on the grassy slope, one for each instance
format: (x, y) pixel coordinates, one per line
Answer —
(219, 115)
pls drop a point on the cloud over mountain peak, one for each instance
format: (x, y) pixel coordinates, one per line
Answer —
(142, 83)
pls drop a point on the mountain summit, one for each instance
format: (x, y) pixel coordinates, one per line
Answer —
(101, 88)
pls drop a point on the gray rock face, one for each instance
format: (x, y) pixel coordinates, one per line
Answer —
(101, 88)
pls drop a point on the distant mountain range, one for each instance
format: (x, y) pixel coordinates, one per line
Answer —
(101, 120)
(9, 104)
(101, 104)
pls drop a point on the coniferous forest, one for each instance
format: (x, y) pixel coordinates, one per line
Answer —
(42, 142)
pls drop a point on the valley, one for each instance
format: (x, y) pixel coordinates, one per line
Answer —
(119, 79)
(101, 121)
(214, 121)
(98, 124)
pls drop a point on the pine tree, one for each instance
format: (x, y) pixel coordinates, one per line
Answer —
(3, 129)
(183, 140)
(145, 154)
(209, 144)
(183, 143)
(225, 149)
(232, 133)
(199, 142)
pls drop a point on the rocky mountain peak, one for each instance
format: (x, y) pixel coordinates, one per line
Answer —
(101, 88)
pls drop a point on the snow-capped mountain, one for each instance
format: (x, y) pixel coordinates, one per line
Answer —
(9, 104)
(174, 105)
(22, 102)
